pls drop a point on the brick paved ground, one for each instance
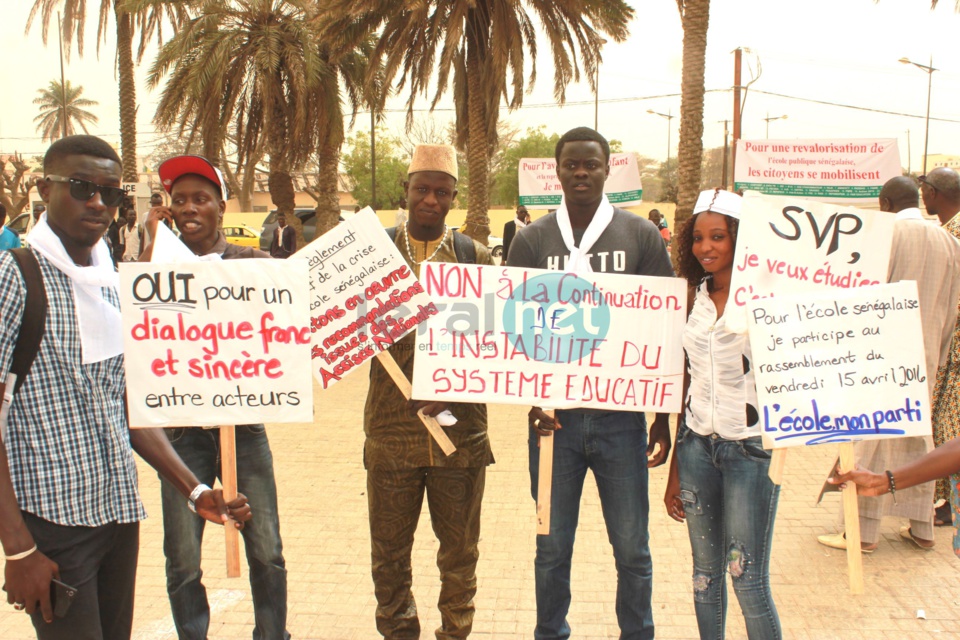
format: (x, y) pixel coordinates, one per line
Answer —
(324, 524)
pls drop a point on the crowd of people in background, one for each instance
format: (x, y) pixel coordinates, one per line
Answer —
(84, 533)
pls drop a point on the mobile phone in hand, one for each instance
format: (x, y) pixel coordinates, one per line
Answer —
(61, 597)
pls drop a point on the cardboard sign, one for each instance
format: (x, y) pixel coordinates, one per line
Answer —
(548, 338)
(213, 343)
(837, 366)
(540, 187)
(845, 170)
(788, 245)
(363, 296)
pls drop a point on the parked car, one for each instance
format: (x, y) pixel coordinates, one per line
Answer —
(494, 243)
(19, 224)
(242, 235)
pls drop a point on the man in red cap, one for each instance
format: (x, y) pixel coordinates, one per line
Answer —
(197, 202)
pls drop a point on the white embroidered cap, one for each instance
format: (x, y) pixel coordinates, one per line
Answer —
(719, 201)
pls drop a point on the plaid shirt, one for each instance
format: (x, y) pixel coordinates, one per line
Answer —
(68, 443)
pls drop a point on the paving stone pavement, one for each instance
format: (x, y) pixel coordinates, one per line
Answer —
(324, 525)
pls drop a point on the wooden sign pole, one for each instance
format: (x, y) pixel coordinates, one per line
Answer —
(851, 522)
(545, 481)
(778, 458)
(228, 478)
(407, 390)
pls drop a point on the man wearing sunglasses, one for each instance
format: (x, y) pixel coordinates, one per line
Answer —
(69, 504)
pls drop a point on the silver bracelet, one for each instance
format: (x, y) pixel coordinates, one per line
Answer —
(21, 555)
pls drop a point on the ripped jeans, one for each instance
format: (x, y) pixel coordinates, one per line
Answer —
(730, 504)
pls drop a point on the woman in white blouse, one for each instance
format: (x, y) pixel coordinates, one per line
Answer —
(718, 475)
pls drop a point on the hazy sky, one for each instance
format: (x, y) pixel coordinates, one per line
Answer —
(840, 51)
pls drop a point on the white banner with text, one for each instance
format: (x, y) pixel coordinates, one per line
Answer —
(540, 188)
(550, 338)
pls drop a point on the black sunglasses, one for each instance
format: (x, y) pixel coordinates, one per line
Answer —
(923, 180)
(83, 190)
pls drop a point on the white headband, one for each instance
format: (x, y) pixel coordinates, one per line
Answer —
(719, 201)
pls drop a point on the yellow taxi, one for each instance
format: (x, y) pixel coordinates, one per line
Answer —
(242, 235)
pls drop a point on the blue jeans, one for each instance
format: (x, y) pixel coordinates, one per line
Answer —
(183, 533)
(613, 445)
(730, 504)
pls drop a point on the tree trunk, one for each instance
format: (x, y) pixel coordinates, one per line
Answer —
(128, 95)
(283, 195)
(328, 196)
(477, 224)
(695, 18)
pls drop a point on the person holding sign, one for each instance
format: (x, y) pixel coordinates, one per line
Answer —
(940, 190)
(69, 504)
(402, 460)
(584, 235)
(197, 202)
(719, 477)
(928, 255)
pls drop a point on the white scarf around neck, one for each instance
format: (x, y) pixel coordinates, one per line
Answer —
(579, 261)
(98, 321)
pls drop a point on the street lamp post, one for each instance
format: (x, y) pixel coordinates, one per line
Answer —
(596, 91)
(926, 128)
(768, 119)
(669, 117)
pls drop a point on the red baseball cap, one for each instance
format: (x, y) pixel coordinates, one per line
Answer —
(172, 169)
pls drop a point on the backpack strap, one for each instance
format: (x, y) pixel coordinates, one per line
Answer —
(34, 315)
(463, 246)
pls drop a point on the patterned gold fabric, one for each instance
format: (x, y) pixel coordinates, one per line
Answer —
(396, 438)
(946, 394)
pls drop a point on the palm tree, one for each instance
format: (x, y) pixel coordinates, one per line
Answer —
(57, 105)
(148, 21)
(480, 46)
(695, 16)
(255, 71)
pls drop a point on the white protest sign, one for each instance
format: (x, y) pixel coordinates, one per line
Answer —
(363, 296)
(540, 187)
(845, 170)
(788, 245)
(550, 338)
(837, 366)
(216, 343)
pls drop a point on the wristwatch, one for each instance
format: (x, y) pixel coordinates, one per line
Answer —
(195, 495)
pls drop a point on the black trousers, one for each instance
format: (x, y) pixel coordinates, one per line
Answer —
(101, 562)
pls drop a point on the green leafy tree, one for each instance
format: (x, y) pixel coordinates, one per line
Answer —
(477, 49)
(669, 187)
(537, 143)
(391, 169)
(56, 104)
(255, 73)
(148, 19)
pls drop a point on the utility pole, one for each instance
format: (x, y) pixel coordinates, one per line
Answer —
(737, 59)
(63, 84)
(725, 152)
(908, 153)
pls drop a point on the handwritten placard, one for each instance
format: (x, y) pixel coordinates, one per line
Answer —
(213, 343)
(363, 296)
(788, 245)
(553, 339)
(837, 366)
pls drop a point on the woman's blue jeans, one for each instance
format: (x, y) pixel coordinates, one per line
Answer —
(730, 504)
(614, 446)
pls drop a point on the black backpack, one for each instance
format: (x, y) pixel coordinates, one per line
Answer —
(34, 315)
(463, 246)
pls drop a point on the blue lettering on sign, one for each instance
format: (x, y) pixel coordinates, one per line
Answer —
(556, 317)
(842, 428)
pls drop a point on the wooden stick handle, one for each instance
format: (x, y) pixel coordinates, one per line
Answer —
(545, 482)
(228, 478)
(778, 458)
(851, 522)
(407, 390)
